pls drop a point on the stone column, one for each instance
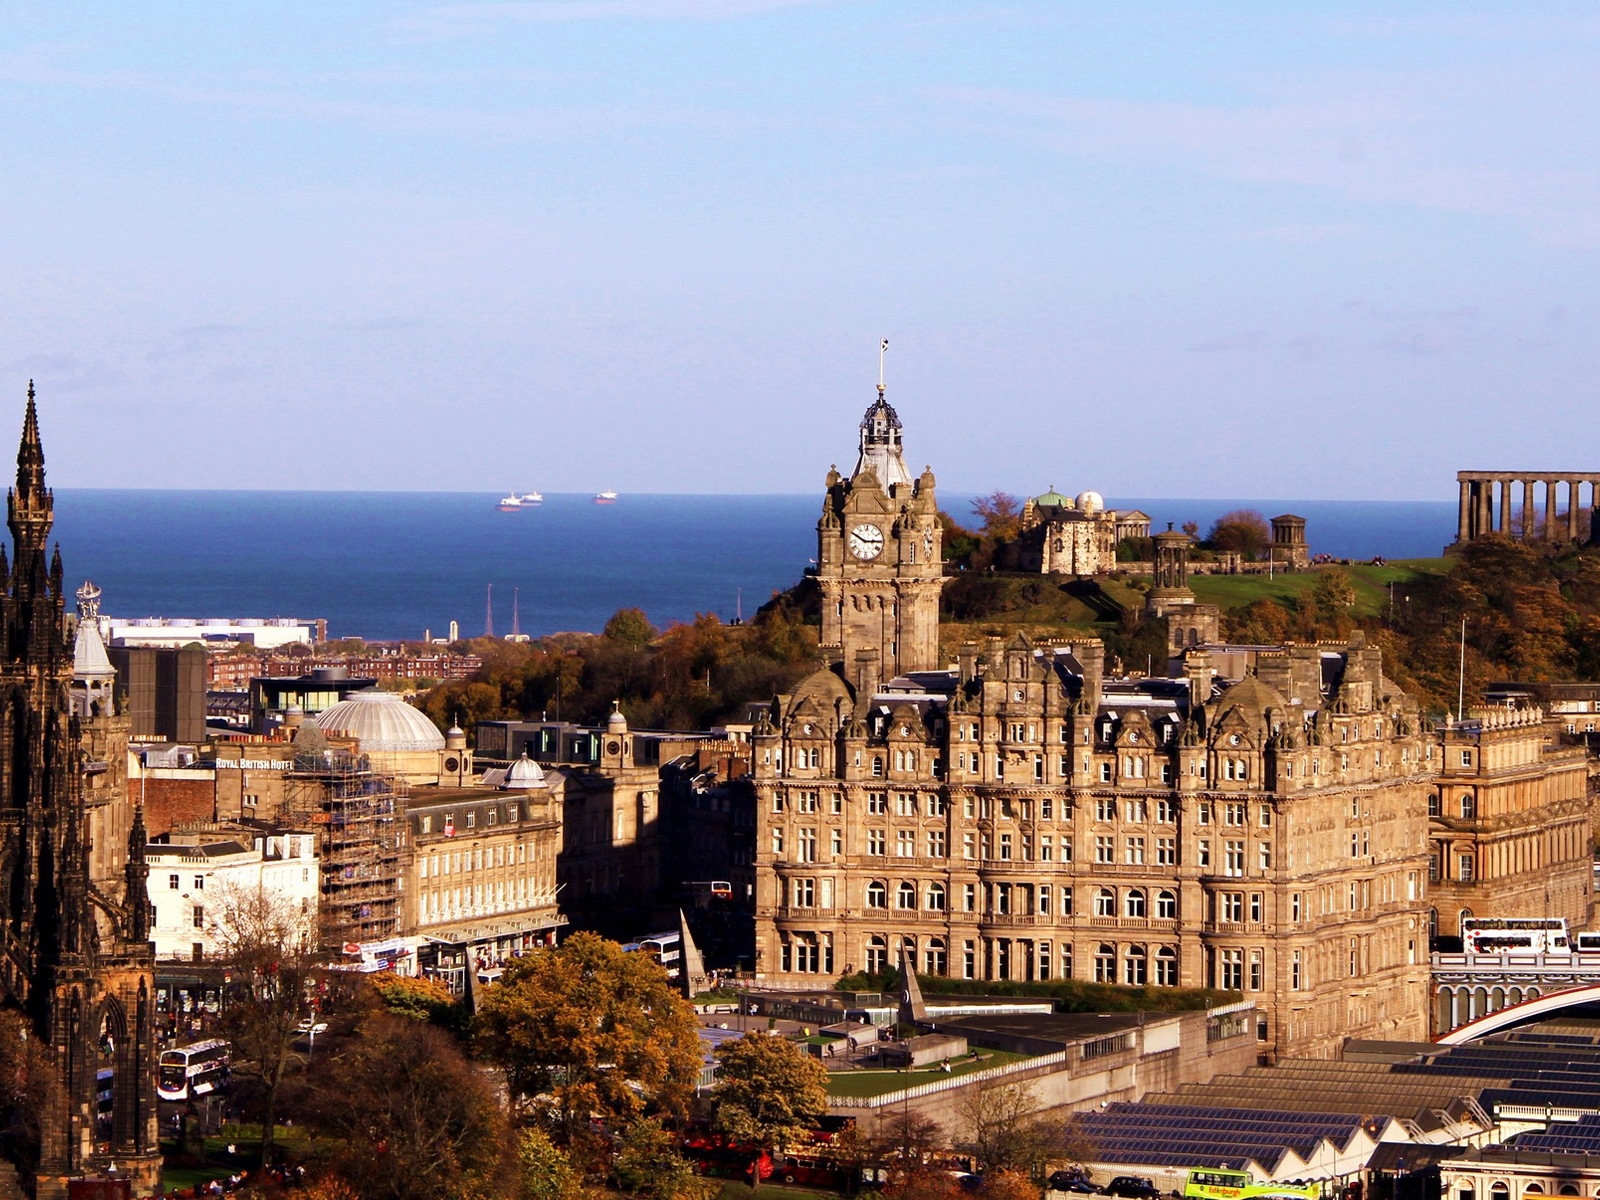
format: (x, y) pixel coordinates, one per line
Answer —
(1485, 506)
(1504, 523)
(1462, 532)
(1527, 509)
(1550, 509)
(1573, 487)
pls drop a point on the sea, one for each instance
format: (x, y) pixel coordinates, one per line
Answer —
(389, 565)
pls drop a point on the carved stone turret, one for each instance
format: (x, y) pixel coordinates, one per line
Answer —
(77, 958)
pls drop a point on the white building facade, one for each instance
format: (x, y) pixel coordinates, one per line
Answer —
(191, 877)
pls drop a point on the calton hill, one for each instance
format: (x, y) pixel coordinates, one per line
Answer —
(1532, 613)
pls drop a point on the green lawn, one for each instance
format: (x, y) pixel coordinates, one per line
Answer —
(876, 1083)
(1371, 584)
(771, 1191)
(215, 1163)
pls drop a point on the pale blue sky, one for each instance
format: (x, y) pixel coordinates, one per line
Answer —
(1196, 249)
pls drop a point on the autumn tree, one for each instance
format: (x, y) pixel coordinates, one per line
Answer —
(1001, 514)
(769, 1093)
(269, 944)
(1242, 530)
(585, 1029)
(415, 1119)
(1001, 1127)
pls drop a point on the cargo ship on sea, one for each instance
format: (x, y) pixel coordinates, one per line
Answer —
(605, 498)
(515, 502)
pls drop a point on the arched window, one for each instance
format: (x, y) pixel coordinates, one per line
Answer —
(1463, 916)
(877, 956)
(1533, 1189)
(1569, 1189)
(905, 896)
(1167, 967)
(1167, 905)
(1469, 806)
(1105, 903)
(1135, 967)
(877, 894)
(936, 897)
(1433, 804)
(1133, 902)
(935, 959)
(1105, 963)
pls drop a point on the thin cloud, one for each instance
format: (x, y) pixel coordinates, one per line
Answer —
(1367, 147)
(544, 123)
(463, 16)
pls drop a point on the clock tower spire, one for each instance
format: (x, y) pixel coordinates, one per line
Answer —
(880, 563)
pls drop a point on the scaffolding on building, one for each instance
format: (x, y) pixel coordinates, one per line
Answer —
(357, 813)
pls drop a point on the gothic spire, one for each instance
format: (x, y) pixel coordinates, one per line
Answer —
(30, 504)
(30, 454)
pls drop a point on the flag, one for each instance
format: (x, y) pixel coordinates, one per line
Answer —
(885, 343)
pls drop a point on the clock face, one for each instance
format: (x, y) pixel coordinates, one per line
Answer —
(866, 541)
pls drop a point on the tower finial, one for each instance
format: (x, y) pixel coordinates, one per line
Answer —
(882, 351)
(30, 453)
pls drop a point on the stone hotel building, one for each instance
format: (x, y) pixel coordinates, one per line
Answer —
(1027, 816)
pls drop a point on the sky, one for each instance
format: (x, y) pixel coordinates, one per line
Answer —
(1313, 250)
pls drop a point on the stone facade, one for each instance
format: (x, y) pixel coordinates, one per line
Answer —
(480, 881)
(1509, 822)
(1288, 548)
(1063, 536)
(880, 561)
(77, 960)
(1023, 816)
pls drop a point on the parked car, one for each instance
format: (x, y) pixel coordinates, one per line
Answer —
(1073, 1181)
(1132, 1187)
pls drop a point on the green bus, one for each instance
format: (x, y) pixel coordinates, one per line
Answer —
(1213, 1183)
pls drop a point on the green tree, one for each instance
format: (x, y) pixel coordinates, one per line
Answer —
(630, 627)
(648, 1165)
(585, 1029)
(769, 1093)
(416, 998)
(546, 1172)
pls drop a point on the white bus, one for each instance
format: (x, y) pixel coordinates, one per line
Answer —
(1515, 935)
(192, 1070)
(663, 947)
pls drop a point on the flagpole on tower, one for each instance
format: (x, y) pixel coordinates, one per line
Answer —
(882, 350)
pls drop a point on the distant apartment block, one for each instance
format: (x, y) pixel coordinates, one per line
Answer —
(233, 672)
(268, 633)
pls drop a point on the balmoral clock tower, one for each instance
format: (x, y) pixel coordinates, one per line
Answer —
(880, 563)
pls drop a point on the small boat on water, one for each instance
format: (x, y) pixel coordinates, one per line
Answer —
(511, 503)
(531, 499)
(605, 498)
